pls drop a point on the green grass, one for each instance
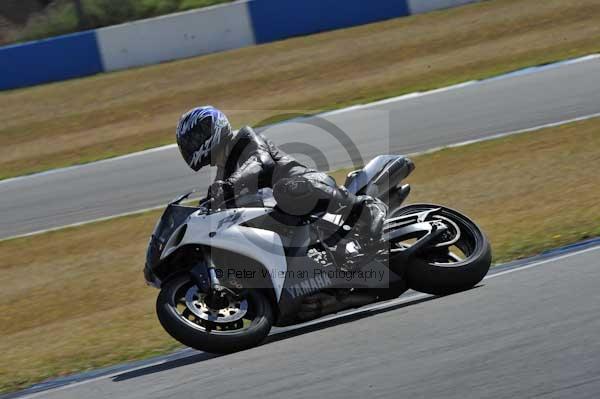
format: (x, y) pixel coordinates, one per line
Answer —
(75, 299)
(61, 18)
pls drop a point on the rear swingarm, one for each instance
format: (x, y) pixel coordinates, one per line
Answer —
(410, 227)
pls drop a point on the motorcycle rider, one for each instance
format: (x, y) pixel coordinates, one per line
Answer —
(247, 161)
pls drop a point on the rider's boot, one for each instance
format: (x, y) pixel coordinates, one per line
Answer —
(371, 220)
(367, 214)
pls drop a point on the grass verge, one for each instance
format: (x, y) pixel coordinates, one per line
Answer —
(112, 114)
(74, 299)
(61, 17)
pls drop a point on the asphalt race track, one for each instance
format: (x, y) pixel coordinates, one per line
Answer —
(525, 332)
(530, 330)
(514, 102)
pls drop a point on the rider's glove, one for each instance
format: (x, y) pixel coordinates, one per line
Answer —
(220, 191)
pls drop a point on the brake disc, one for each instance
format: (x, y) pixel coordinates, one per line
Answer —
(234, 311)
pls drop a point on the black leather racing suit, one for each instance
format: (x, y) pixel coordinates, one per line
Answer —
(248, 161)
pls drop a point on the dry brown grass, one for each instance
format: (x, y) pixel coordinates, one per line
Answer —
(75, 299)
(106, 115)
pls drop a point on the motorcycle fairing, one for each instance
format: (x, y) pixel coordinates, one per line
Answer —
(225, 230)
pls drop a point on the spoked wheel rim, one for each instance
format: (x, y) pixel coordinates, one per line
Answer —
(233, 316)
(458, 244)
(455, 247)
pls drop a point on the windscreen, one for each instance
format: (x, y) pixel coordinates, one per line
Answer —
(172, 218)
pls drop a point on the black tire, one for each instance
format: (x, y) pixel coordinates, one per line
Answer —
(425, 273)
(193, 335)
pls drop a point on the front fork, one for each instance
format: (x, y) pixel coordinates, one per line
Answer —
(204, 275)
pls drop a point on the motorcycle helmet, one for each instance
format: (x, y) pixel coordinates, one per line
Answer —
(199, 134)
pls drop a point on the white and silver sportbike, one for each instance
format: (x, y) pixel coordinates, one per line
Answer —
(227, 275)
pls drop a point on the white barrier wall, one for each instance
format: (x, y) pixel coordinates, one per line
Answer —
(209, 30)
(423, 6)
(176, 36)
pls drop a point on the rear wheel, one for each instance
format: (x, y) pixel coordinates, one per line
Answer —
(457, 261)
(232, 325)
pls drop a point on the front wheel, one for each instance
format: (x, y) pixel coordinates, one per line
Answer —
(457, 263)
(234, 324)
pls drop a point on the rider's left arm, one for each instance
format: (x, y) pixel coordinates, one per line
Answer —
(253, 173)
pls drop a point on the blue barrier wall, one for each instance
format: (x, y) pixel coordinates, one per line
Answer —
(279, 19)
(50, 60)
(217, 28)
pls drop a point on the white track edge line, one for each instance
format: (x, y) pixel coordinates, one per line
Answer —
(507, 134)
(88, 164)
(382, 305)
(85, 222)
(508, 75)
(429, 151)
